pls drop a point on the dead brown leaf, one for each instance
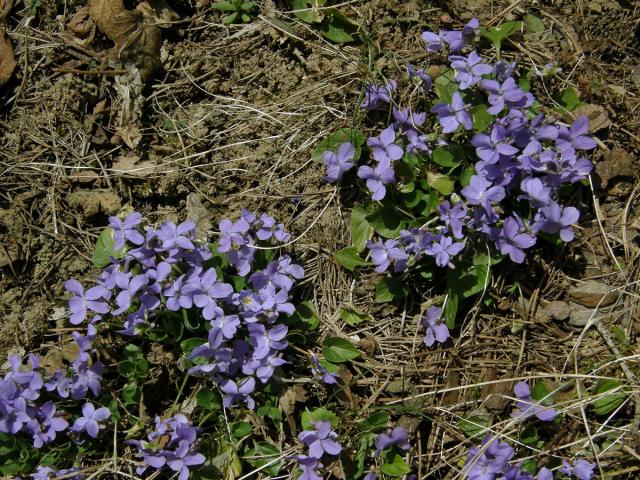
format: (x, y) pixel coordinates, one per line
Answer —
(81, 23)
(128, 166)
(495, 393)
(7, 59)
(160, 11)
(137, 39)
(5, 8)
(287, 402)
(91, 202)
(597, 115)
(83, 27)
(619, 163)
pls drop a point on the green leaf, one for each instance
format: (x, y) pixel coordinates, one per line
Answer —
(445, 86)
(351, 316)
(475, 424)
(126, 368)
(443, 157)
(529, 436)
(333, 142)
(451, 308)
(608, 403)
(225, 6)
(569, 99)
(361, 229)
(442, 183)
(247, 5)
(539, 392)
(348, 257)
(208, 399)
(189, 344)
(481, 118)
(389, 289)
(496, 35)
(465, 176)
(338, 28)
(308, 418)
(397, 468)
(230, 18)
(376, 421)
(105, 249)
(387, 221)
(240, 429)
(309, 13)
(263, 453)
(533, 24)
(306, 314)
(339, 350)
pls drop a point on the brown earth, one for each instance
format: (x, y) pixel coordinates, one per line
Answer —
(231, 120)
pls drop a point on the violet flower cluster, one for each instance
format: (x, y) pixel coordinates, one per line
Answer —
(28, 397)
(167, 269)
(171, 445)
(523, 160)
(322, 441)
(491, 461)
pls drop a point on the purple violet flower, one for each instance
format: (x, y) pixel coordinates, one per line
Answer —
(309, 467)
(241, 392)
(490, 147)
(321, 440)
(469, 70)
(508, 93)
(125, 230)
(453, 217)
(384, 147)
(338, 163)
(385, 253)
(443, 249)
(582, 469)
(181, 460)
(318, 370)
(576, 137)
(436, 328)
(398, 436)
(481, 192)
(377, 178)
(451, 116)
(489, 463)
(556, 219)
(88, 422)
(512, 240)
(375, 95)
(526, 406)
(81, 302)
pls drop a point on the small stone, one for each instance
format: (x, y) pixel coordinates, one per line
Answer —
(593, 294)
(558, 310)
(580, 315)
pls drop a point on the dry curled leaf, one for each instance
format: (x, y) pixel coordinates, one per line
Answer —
(597, 115)
(130, 102)
(137, 39)
(5, 8)
(83, 27)
(128, 166)
(619, 163)
(7, 60)
(81, 23)
(159, 11)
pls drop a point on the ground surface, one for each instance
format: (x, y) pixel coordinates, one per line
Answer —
(231, 121)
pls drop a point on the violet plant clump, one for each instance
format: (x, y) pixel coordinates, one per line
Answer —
(158, 285)
(468, 171)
